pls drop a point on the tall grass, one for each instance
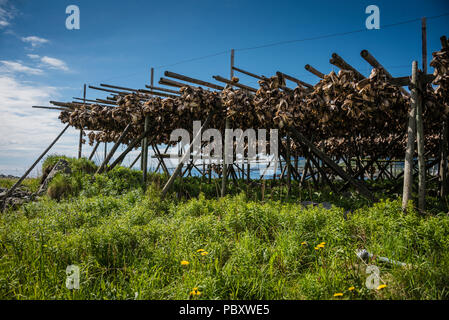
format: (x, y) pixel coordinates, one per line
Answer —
(129, 244)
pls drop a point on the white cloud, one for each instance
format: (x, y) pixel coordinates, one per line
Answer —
(7, 13)
(24, 131)
(54, 63)
(49, 62)
(13, 67)
(35, 41)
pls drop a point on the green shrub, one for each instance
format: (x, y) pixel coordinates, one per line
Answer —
(59, 187)
(76, 165)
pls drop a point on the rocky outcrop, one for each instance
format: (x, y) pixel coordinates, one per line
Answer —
(62, 166)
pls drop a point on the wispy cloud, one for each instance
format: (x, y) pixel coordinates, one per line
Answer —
(7, 13)
(14, 67)
(54, 63)
(24, 131)
(35, 41)
(49, 62)
(33, 56)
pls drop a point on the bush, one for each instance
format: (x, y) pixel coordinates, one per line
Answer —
(60, 186)
(76, 165)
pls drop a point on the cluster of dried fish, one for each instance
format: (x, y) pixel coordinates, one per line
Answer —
(165, 115)
(440, 63)
(346, 116)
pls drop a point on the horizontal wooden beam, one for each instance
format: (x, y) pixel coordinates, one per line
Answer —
(311, 69)
(172, 83)
(117, 87)
(50, 108)
(297, 81)
(375, 64)
(239, 85)
(109, 90)
(192, 80)
(249, 73)
(162, 89)
(405, 81)
(338, 61)
(161, 94)
(95, 101)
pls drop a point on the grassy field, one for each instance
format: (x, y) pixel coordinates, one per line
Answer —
(129, 244)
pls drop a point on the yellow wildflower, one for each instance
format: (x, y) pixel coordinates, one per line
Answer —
(303, 243)
(195, 292)
(200, 250)
(351, 288)
(320, 245)
(204, 253)
(185, 263)
(323, 243)
(338, 294)
(316, 248)
(381, 286)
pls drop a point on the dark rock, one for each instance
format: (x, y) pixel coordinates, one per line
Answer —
(62, 166)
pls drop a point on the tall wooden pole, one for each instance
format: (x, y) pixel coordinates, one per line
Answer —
(408, 163)
(443, 161)
(80, 144)
(424, 44)
(227, 126)
(419, 125)
(444, 175)
(145, 140)
(289, 173)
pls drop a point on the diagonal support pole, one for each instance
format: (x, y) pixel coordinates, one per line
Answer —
(33, 165)
(359, 186)
(114, 148)
(184, 158)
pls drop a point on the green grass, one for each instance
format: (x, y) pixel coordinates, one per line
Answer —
(129, 243)
(29, 184)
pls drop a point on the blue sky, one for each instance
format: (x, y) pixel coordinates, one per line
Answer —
(118, 42)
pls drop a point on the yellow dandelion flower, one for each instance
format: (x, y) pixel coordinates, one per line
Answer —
(204, 253)
(381, 286)
(316, 248)
(323, 243)
(320, 245)
(303, 243)
(338, 294)
(200, 250)
(185, 263)
(195, 292)
(351, 288)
